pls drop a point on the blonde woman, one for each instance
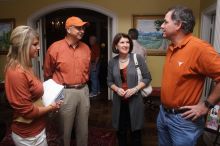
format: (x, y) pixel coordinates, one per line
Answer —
(23, 88)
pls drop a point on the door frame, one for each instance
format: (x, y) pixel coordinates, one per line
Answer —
(112, 25)
(206, 22)
(206, 18)
(63, 5)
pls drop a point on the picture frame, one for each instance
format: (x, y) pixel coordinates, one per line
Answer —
(6, 27)
(150, 34)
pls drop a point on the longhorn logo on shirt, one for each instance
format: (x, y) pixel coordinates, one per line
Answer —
(180, 63)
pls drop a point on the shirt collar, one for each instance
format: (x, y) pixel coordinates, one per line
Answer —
(70, 45)
(184, 41)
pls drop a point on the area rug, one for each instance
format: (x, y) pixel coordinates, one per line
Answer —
(97, 137)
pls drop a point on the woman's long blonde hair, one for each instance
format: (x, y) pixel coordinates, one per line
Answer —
(20, 43)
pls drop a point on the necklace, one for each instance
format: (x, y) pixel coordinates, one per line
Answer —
(123, 60)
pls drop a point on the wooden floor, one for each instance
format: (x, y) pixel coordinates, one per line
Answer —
(100, 117)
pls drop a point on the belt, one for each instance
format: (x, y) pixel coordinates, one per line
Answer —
(174, 110)
(75, 86)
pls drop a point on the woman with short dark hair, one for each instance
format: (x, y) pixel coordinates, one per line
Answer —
(128, 106)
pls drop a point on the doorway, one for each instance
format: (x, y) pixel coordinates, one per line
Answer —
(55, 30)
(102, 23)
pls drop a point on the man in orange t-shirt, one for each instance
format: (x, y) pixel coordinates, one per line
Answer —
(67, 62)
(189, 61)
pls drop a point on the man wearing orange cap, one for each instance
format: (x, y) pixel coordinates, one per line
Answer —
(67, 62)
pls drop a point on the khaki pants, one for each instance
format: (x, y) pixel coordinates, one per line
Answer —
(75, 112)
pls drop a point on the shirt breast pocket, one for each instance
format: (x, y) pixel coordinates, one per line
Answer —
(184, 73)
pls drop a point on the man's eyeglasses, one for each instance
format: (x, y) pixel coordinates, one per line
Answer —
(79, 28)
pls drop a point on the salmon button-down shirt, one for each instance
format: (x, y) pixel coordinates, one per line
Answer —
(67, 65)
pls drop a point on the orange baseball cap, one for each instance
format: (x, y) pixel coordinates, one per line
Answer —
(74, 21)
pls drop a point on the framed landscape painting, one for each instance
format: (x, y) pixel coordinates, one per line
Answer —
(6, 26)
(150, 34)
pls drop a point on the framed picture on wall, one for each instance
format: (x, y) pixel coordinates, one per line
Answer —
(150, 34)
(6, 26)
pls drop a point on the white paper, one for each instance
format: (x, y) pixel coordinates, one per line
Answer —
(52, 92)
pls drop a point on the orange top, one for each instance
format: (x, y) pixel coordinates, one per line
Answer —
(22, 88)
(64, 64)
(95, 52)
(186, 67)
(123, 73)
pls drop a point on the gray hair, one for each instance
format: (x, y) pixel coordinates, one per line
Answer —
(184, 15)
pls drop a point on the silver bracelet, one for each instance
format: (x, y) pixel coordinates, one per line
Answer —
(136, 88)
(117, 90)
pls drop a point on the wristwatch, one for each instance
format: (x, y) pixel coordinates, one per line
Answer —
(208, 104)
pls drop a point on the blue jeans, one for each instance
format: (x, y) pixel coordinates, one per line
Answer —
(94, 77)
(173, 130)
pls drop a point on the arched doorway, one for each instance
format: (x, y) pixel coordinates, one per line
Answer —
(39, 21)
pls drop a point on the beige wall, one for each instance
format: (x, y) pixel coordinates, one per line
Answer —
(206, 3)
(124, 9)
(22, 9)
